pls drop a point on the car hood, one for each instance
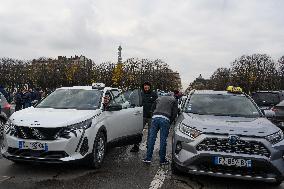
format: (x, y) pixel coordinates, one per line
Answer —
(258, 127)
(48, 117)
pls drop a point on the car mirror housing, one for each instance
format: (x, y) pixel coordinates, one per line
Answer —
(269, 113)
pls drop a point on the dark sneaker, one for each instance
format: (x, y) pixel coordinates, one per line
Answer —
(135, 148)
(146, 161)
(166, 162)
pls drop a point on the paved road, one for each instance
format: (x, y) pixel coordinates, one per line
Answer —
(121, 169)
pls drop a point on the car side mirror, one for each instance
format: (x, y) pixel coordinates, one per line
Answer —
(269, 114)
(35, 102)
(116, 107)
(132, 105)
(126, 104)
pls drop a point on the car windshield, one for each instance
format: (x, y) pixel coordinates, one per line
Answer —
(221, 105)
(72, 99)
(266, 99)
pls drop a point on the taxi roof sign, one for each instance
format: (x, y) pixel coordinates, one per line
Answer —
(233, 89)
(98, 85)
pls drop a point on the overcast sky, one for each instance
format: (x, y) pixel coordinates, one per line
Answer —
(193, 36)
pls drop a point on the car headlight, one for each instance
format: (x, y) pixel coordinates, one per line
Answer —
(82, 125)
(275, 138)
(65, 133)
(192, 132)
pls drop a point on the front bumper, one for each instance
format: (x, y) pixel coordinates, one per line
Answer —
(188, 159)
(61, 150)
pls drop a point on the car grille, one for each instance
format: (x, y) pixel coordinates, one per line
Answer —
(37, 153)
(263, 170)
(38, 133)
(241, 147)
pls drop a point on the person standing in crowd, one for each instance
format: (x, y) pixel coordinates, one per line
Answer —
(18, 100)
(148, 99)
(37, 94)
(177, 94)
(27, 98)
(165, 113)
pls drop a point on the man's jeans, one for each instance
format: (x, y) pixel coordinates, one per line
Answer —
(164, 126)
(147, 121)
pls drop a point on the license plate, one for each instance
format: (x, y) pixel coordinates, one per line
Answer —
(232, 162)
(33, 145)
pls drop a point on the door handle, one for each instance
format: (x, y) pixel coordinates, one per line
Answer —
(137, 113)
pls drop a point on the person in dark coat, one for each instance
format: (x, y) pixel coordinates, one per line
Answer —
(148, 99)
(18, 100)
(27, 98)
(37, 94)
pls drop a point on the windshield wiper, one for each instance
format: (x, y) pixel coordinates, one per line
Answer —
(44, 107)
(197, 113)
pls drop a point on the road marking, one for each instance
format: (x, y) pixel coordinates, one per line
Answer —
(3, 178)
(159, 178)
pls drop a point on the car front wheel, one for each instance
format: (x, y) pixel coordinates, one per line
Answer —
(99, 150)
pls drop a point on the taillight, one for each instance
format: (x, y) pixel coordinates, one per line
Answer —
(7, 106)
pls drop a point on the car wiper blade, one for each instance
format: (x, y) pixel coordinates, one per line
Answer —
(64, 108)
(197, 113)
(230, 115)
(44, 107)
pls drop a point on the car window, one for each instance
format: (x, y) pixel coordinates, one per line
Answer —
(2, 98)
(72, 99)
(133, 97)
(118, 97)
(266, 98)
(222, 105)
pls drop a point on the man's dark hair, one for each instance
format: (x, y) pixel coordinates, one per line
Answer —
(147, 83)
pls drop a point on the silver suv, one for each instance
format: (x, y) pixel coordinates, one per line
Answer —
(225, 134)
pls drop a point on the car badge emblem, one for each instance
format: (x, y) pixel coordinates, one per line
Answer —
(233, 139)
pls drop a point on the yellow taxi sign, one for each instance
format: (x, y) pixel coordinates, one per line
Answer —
(233, 89)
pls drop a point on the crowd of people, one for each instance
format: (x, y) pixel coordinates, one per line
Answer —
(25, 97)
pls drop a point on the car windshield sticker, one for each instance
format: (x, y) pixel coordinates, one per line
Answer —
(189, 107)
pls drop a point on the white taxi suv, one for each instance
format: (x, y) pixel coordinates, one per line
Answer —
(73, 123)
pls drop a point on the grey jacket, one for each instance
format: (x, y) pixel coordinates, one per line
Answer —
(166, 106)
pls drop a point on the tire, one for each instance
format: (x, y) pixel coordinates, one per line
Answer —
(99, 151)
(175, 170)
(277, 183)
(19, 162)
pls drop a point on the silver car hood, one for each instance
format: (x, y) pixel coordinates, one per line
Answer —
(258, 127)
